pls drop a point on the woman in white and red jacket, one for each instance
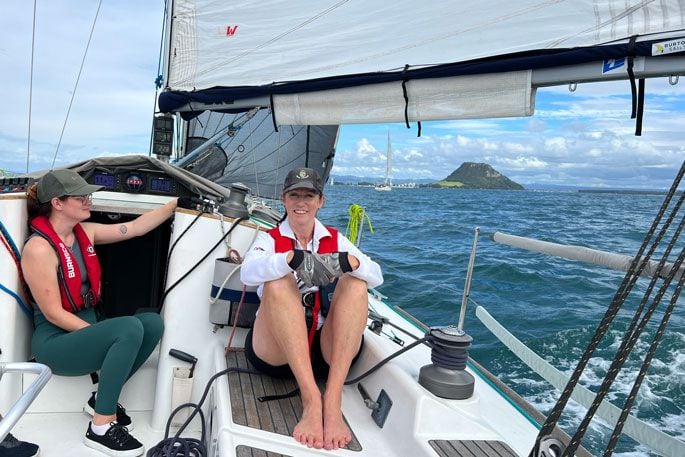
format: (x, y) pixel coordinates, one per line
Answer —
(303, 329)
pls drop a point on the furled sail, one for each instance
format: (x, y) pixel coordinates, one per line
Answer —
(354, 61)
(255, 154)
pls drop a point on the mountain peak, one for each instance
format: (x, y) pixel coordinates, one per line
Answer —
(472, 175)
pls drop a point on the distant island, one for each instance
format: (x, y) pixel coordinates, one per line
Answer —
(472, 175)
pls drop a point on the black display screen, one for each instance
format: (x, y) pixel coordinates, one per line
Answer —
(161, 185)
(104, 179)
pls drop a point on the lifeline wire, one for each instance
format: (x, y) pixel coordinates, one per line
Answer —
(235, 224)
(171, 250)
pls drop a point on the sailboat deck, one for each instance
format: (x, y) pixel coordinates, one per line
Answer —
(453, 448)
(281, 416)
(276, 416)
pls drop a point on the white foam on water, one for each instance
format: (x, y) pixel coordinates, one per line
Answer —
(660, 400)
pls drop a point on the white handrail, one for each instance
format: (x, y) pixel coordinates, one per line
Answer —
(22, 404)
(641, 432)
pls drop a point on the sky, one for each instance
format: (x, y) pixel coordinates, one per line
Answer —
(581, 138)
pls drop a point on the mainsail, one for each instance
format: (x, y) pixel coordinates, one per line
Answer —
(341, 62)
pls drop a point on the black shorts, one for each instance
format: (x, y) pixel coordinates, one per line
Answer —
(319, 365)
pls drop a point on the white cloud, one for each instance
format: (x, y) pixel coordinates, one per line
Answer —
(114, 102)
(365, 148)
(522, 163)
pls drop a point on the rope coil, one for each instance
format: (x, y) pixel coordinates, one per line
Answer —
(448, 355)
(356, 222)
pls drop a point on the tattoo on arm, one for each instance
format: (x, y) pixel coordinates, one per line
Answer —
(123, 229)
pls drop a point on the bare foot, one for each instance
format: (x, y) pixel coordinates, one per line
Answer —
(309, 431)
(336, 433)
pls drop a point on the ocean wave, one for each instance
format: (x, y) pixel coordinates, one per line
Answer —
(423, 239)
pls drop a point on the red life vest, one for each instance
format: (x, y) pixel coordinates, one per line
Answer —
(68, 271)
(327, 245)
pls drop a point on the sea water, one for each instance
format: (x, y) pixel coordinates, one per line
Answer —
(422, 239)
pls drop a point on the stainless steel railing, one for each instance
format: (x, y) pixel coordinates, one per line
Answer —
(17, 410)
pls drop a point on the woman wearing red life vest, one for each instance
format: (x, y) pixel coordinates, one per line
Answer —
(61, 269)
(293, 335)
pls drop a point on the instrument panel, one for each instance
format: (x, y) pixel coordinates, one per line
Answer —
(127, 181)
(134, 181)
(11, 185)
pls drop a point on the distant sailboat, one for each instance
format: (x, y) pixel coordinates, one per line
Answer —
(387, 185)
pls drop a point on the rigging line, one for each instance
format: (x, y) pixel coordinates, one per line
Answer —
(33, 49)
(158, 82)
(635, 269)
(295, 159)
(263, 140)
(78, 77)
(645, 365)
(268, 155)
(226, 142)
(631, 336)
(270, 41)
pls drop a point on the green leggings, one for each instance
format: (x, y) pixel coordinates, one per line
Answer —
(116, 347)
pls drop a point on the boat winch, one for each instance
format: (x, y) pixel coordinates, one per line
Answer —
(446, 377)
(235, 205)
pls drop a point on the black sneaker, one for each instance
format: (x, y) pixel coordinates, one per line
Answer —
(116, 441)
(122, 418)
(12, 447)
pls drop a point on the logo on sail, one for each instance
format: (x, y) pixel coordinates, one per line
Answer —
(231, 29)
(668, 47)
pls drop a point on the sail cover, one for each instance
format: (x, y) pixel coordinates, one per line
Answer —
(287, 52)
(256, 155)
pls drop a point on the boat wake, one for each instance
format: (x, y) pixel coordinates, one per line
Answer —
(655, 403)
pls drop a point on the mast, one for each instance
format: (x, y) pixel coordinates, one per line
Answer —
(388, 169)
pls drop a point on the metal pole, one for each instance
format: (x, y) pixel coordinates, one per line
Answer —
(22, 404)
(467, 286)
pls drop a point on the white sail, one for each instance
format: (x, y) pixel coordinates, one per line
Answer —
(340, 62)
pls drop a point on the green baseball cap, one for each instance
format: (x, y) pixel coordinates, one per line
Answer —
(61, 183)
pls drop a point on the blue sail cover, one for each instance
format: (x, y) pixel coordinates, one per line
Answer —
(244, 50)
